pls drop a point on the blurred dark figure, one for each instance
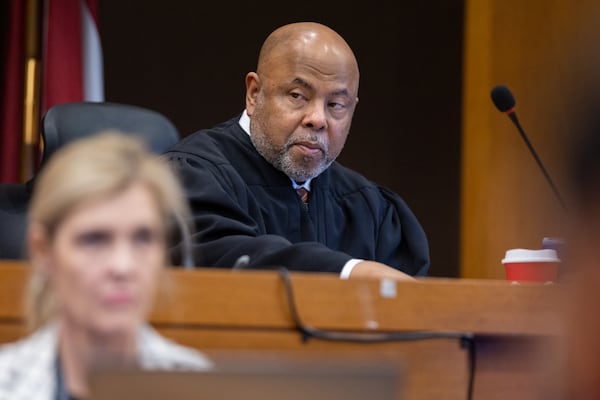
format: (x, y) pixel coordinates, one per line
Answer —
(580, 369)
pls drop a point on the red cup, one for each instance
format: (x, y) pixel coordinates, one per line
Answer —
(524, 265)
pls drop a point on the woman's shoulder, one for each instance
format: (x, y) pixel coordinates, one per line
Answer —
(38, 346)
(26, 366)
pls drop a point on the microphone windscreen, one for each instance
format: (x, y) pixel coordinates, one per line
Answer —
(503, 98)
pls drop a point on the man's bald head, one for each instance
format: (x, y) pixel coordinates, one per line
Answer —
(306, 39)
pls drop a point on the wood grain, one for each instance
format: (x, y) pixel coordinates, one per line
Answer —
(233, 315)
(545, 52)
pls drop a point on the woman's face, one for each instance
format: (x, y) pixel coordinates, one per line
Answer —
(104, 261)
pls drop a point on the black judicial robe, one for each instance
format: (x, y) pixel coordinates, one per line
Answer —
(242, 205)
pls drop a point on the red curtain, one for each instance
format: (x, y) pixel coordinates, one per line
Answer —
(72, 54)
(72, 68)
(12, 94)
(62, 78)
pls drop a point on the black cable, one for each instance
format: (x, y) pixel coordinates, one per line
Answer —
(470, 345)
(466, 339)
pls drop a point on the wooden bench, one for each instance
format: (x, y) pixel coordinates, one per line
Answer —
(230, 314)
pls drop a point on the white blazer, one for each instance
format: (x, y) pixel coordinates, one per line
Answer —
(28, 367)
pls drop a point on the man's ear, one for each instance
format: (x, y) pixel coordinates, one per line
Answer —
(252, 90)
(38, 244)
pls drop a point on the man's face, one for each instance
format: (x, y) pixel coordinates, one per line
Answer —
(300, 114)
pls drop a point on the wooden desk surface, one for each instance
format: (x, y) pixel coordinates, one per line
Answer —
(216, 297)
(219, 310)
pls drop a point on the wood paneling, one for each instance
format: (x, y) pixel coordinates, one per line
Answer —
(538, 49)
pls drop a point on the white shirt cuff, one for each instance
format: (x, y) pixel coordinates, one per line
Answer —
(348, 267)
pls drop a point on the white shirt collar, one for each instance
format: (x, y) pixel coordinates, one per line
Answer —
(245, 124)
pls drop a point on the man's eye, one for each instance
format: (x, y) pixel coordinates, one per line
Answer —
(337, 106)
(297, 96)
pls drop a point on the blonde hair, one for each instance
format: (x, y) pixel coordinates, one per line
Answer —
(88, 169)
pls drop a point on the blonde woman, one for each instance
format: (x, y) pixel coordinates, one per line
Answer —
(97, 239)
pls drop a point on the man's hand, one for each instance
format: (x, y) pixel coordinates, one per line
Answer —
(373, 269)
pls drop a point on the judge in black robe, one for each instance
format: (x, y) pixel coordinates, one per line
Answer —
(242, 205)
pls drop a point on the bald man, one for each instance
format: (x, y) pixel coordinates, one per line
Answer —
(264, 187)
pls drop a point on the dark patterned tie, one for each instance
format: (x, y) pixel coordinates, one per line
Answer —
(303, 193)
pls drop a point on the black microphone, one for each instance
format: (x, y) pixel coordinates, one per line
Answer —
(505, 102)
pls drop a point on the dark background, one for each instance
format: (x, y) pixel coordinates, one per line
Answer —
(188, 60)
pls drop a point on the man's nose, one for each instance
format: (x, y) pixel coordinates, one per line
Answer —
(316, 115)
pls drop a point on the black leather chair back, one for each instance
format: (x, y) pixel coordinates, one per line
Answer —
(14, 200)
(65, 123)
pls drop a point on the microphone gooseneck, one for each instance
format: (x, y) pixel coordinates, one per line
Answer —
(505, 102)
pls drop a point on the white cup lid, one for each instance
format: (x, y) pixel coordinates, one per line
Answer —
(526, 255)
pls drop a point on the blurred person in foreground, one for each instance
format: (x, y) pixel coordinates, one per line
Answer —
(97, 239)
(264, 187)
(580, 372)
